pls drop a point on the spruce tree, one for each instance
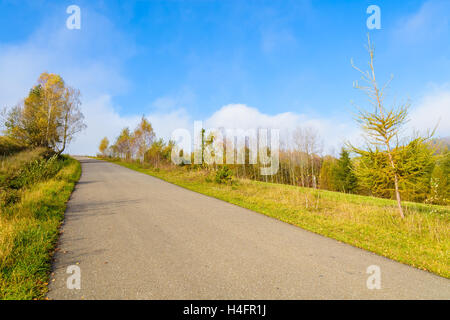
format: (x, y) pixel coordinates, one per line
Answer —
(345, 179)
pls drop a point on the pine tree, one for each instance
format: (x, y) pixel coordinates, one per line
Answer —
(344, 178)
(415, 162)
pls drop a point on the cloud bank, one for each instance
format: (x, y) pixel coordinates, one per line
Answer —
(433, 109)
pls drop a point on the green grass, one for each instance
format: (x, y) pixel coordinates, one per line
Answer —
(421, 240)
(29, 228)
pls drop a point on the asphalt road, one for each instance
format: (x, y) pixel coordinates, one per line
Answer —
(137, 237)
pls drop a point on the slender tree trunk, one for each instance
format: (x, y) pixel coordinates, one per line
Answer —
(48, 125)
(63, 148)
(397, 193)
(66, 121)
(377, 93)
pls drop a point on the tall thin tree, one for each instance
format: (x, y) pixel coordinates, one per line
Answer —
(381, 125)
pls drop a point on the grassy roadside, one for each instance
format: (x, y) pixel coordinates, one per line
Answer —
(421, 240)
(29, 230)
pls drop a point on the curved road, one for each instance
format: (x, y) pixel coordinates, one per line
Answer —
(137, 237)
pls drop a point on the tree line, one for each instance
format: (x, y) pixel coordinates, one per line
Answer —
(140, 145)
(423, 168)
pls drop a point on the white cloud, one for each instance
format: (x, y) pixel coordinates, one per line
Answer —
(103, 120)
(165, 123)
(54, 48)
(429, 22)
(333, 132)
(19, 71)
(244, 117)
(433, 108)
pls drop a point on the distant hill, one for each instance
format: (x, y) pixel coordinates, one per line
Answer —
(442, 143)
(446, 140)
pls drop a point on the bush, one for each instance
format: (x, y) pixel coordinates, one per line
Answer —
(224, 175)
(35, 171)
(26, 169)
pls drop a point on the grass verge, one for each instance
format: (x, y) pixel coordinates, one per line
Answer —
(421, 240)
(29, 232)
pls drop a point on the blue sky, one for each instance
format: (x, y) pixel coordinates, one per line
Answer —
(281, 63)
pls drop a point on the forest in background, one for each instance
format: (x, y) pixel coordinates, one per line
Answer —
(424, 165)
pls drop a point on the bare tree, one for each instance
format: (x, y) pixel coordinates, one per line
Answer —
(72, 117)
(307, 144)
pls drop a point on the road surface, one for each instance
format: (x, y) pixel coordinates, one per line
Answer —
(134, 236)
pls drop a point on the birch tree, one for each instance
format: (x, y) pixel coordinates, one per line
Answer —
(104, 143)
(49, 116)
